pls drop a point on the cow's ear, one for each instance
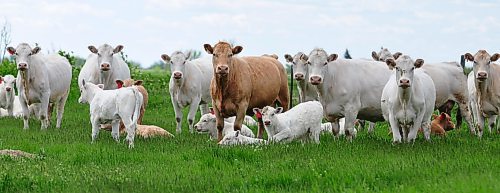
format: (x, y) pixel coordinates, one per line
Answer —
(165, 58)
(237, 50)
(390, 63)
(257, 110)
(93, 49)
(83, 83)
(332, 57)
(188, 55)
(119, 83)
(375, 56)
(101, 86)
(419, 63)
(212, 110)
(11, 50)
(278, 110)
(495, 57)
(35, 50)
(208, 48)
(118, 49)
(288, 58)
(397, 55)
(138, 82)
(304, 57)
(469, 57)
(1, 79)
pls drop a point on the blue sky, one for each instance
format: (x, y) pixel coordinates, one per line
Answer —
(432, 30)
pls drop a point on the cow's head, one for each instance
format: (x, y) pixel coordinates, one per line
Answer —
(385, 54)
(482, 61)
(222, 58)
(23, 54)
(299, 65)
(268, 114)
(206, 122)
(177, 64)
(7, 83)
(405, 69)
(318, 65)
(87, 91)
(105, 55)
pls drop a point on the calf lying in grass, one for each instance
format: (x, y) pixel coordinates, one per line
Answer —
(147, 131)
(207, 124)
(235, 138)
(300, 122)
(441, 124)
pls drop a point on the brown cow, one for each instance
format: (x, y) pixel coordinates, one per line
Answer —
(243, 83)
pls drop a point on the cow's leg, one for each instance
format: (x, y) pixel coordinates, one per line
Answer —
(60, 110)
(130, 126)
(44, 110)
(192, 113)
(465, 113)
(284, 135)
(178, 116)
(371, 127)
(283, 95)
(396, 135)
(115, 131)
(427, 130)
(26, 111)
(350, 131)
(492, 122)
(95, 127)
(335, 128)
(219, 121)
(260, 129)
(204, 109)
(315, 134)
(480, 122)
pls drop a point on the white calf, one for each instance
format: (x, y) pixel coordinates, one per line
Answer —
(235, 138)
(111, 106)
(408, 99)
(207, 124)
(7, 94)
(301, 121)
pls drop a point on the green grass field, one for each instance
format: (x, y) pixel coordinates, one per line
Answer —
(191, 163)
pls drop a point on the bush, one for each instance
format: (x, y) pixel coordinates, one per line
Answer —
(8, 67)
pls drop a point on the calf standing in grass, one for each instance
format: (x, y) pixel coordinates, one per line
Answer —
(111, 106)
(189, 85)
(408, 99)
(300, 122)
(41, 79)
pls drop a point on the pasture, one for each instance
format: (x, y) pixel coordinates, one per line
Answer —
(67, 161)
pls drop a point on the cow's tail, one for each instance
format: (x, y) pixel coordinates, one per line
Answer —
(138, 103)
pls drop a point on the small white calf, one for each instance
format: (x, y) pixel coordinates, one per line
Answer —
(235, 138)
(408, 99)
(111, 106)
(207, 124)
(300, 122)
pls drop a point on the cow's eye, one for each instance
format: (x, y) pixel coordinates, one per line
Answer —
(16, 54)
(230, 55)
(204, 120)
(184, 62)
(325, 63)
(98, 54)
(30, 54)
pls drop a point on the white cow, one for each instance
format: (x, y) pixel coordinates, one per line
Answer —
(189, 85)
(486, 81)
(104, 66)
(41, 79)
(348, 88)
(471, 85)
(235, 138)
(450, 85)
(111, 106)
(7, 94)
(300, 122)
(207, 125)
(307, 91)
(408, 99)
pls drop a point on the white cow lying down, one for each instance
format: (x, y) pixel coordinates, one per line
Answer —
(111, 106)
(300, 122)
(235, 138)
(207, 124)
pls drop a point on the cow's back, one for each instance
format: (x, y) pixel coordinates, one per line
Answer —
(448, 79)
(59, 74)
(267, 76)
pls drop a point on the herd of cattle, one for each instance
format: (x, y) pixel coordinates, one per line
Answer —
(391, 87)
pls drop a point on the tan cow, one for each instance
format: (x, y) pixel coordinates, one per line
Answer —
(243, 83)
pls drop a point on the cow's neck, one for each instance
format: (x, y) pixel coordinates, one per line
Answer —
(223, 87)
